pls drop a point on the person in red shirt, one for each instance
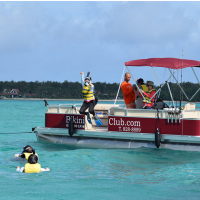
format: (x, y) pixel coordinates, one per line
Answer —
(128, 92)
(151, 91)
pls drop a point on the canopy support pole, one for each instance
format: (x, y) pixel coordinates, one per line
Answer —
(119, 86)
(179, 85)
(195, 75)
(194, 94)
(155, 76)
(156, 80)
(171, 94)
(198, 82)
(159, 89)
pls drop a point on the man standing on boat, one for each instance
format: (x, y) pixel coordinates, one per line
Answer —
(89, 100)
(148, 95)
(128, 92)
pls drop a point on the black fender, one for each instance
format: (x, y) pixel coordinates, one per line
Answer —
(71, 128)
(157, 138)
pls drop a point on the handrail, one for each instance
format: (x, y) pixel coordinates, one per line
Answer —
(115, 108)
(144, 110)
(66, 104)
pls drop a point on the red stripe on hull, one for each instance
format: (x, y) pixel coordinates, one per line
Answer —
(62, 120)
(150, 125)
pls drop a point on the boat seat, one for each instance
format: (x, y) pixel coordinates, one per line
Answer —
(52, 109)
(136, 112)
(62, 109)
(102, 109)
(189, 106)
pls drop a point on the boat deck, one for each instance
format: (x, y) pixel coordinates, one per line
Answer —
(99, 129)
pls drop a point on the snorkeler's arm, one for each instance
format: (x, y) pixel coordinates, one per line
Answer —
(82, 79)
(19, 155)
(22, 156)
(20, 169)
(44, 170)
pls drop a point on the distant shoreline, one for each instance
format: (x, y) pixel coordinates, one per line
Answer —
(42, 99)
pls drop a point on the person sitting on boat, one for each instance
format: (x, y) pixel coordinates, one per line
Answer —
(148, 95)
(27, 151)
(32, 166)
(142, 86)
(159, 104)
(89, 100)
(128, 92)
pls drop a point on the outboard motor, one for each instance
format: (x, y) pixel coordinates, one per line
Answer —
(71, 128)
(157, 138)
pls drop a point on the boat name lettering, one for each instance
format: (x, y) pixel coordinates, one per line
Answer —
(121, 122)
(76, 126)
(75, 119)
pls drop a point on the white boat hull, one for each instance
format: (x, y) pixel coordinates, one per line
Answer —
(102, 139)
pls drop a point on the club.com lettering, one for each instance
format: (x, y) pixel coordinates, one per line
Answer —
(120, 122)
(128, 126)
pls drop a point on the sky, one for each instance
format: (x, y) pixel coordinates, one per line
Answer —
(55, 41)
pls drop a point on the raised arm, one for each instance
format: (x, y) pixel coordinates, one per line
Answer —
(82, 79)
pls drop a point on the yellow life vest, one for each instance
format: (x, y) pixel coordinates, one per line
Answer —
(147, 98)
(144, 87)
(87, 94)
(32, 168)
(28, 154)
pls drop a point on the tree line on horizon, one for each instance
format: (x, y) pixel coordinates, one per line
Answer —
(103, 90)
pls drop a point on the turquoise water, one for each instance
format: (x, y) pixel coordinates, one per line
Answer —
(142, 173)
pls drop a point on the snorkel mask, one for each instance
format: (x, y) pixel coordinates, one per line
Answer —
(25, 148)
(87, 79)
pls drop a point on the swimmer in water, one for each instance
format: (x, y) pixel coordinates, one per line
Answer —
(27, 151)
(32, 166)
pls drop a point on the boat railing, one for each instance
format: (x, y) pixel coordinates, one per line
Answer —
(100, 109)
(171, 114)
(63, 108)
(123, 111)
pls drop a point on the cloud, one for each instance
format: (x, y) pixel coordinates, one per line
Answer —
(46, 40)
(138, 26)
(22, 26)
(25, 25)
(148, 22)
